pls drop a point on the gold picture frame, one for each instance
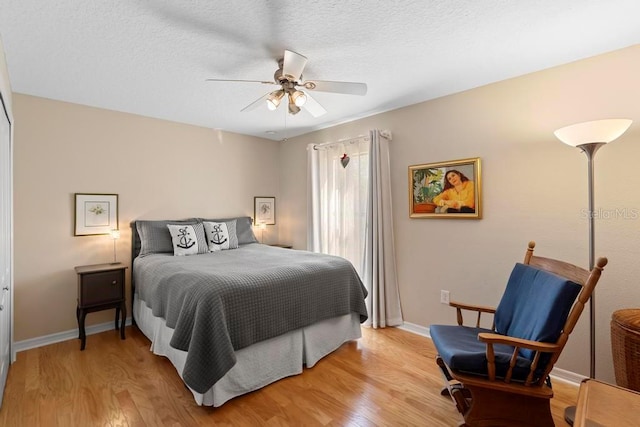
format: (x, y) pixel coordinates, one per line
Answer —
(451, 189)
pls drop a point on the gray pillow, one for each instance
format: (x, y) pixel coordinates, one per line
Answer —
(244, 231)
(155, 237)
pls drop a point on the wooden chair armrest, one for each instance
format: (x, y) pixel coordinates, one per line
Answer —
(544, 347)
(471, 307)
(539, 347)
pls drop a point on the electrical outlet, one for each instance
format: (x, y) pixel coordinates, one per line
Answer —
(444, 297)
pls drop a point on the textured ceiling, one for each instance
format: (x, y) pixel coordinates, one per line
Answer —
(151, 57)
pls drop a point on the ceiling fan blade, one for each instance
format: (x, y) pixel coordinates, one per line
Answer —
(293, 65)
(243, 81)
(349, 88)
(313, 107)
(255, 104)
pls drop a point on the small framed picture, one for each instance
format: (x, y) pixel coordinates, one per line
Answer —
(264, 210)
(95, 214)
(446, 189)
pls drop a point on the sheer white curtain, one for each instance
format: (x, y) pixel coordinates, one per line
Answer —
(350, 216)
(339, 199)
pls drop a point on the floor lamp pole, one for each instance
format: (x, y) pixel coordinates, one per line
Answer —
(590, 151)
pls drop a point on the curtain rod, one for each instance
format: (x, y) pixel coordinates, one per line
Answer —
(341, 141)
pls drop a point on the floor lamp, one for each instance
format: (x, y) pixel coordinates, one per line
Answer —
(589, 137)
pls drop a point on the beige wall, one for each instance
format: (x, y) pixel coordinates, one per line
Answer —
(159, 169)
(534, 188)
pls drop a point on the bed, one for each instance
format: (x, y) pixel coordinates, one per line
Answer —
(233, 321)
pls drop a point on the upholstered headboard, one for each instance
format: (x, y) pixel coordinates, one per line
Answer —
(135, 241)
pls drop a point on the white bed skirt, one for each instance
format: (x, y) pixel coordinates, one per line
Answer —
(261, 363)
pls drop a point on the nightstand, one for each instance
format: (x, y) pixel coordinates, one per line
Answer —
(602, 404)
(277, 245)
(100, 287)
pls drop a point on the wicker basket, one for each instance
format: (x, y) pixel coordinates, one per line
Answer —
(625, 345)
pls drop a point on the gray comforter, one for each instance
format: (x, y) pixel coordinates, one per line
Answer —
(224, 301)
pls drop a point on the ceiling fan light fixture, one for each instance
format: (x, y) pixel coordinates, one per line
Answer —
(288, 77)
(298, 98)
(271, 105)
(293, 108)
(274, 98)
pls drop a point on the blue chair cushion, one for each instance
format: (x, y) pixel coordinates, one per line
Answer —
(461, 351)
(535, 305)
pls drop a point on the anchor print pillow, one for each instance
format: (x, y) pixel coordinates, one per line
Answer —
(188, 239)
(221, 235)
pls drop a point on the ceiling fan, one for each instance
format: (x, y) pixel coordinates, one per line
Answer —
(295, 90)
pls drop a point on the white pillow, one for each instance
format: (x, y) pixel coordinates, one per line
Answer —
(221, 235)
(187, 239)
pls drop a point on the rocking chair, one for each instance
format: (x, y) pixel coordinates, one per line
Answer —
(500, 376)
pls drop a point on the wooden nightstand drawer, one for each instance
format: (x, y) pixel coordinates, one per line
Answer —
(101, 288)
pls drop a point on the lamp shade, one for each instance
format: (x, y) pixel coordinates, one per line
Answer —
(274, 98)
(597, 131)
(298, 97)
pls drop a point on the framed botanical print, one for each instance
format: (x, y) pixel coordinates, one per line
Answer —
(264, 210)
(95, 214)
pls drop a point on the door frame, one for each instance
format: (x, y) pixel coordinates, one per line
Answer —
(6, 110)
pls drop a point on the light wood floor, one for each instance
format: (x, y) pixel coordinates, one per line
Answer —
(388, 378)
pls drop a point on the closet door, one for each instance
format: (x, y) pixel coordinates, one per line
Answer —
(6, 207)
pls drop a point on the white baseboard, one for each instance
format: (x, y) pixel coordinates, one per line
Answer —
(416, 329)
(556, 374)
(567, 376)
(61, 336)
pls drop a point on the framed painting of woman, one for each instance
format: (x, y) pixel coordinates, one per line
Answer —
(451, 189)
